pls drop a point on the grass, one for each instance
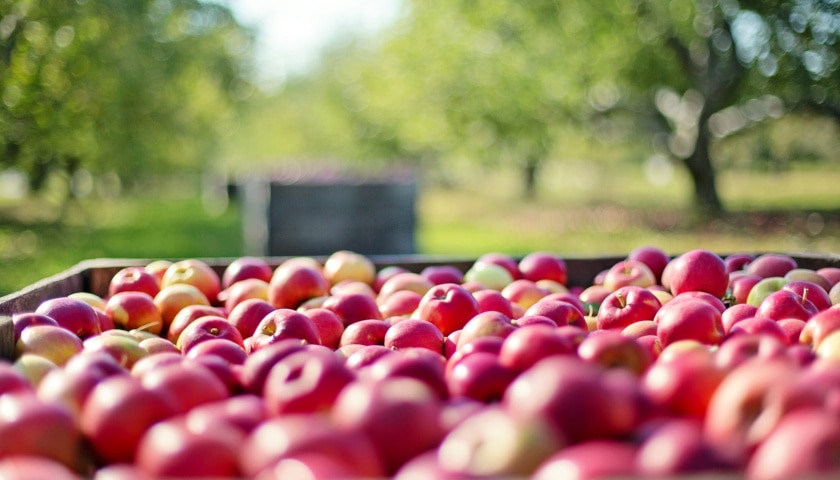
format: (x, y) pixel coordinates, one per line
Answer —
(580, 211)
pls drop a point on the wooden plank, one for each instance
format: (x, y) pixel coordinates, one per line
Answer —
(7, 338)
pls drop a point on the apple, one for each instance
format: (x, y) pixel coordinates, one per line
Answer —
(739, 348)
(353, 307)
(537, 266)
(130, 310)
(572, 397)
(702, 296)
(736, 313)
(186, 316)
(834, 294)
(737, 261)
(523, 292)
(792, 328)
(282, 324)
(52, 342)
(30, 426)
(438, 274)
(413, 333)
(448, 306)
(223, 348)
(196, 273)
(92, 299)
(586, 461)
(189, 384)
(689, 320)
(629, 272)
(562, 312)
(759, 326)
(258, 364)
(790, 452)
(134, 279)
(244, 268)
(491, 443)
(12, 380)
(417, 363)
(741, 285)
(296, 436)
(683, 384)
(174, 298)
(503, 260)
(365, 355)
(490, 300)
(819, 326)
(786, 304)
(33, 367)
(404, 280)
(489, 275)
(346, 265)
(677, 447)
(121, 345)
(69, 387)
(811, 291)
(35, 467)
(485, 324)
(611, 349)
(73, 314)
(329, 326)
(248, 314)
(353, 286)
(364, 332)
(24, 320)
(292, 284)
(763, 288)
(243, 412)
(640, 329)
(570, 297)
(487, 344)
(307, 381)
(808, 275)
(243, 290)
(158, 268)
(117, 413)
(169, 450)
(479, 376)
(401, 302)
(207, 328)
(771, 265)
(653, 257)
(831, 274)
(698, 270)
(378, 410)
(625, 306)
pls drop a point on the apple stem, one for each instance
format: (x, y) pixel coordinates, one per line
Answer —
(804, 295)
(621, 300)
(627, 268)
(145, 327)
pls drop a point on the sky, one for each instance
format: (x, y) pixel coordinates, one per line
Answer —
(291, 33)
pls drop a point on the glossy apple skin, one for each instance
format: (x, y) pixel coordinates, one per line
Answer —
(49, 341)
(537, 266)
(654, 257)
(414, 333)
(247, 315)
(503, 260)
(72, 314)
(625, 306)
(448, 306)
(820, 326)
(307, 381)
(438, 274)
(480, 377)
(188, 384)
(741, 285)
(173, 298)
(134, 279)
(677, 448)
(258, 364)
(684, 384)
(786, 304)
(689, 320)
(207, 328)
(587, 461)
(771, 265)
(486, 324)
(810, 291)
(132, 310)
(244, 268)
(419, 364)
(282, 324)
(194, 272)
(629, 272)
(353, 307)
(611, 349)
(562, 312)
(293, 284)
(364, 332)
(698, 270)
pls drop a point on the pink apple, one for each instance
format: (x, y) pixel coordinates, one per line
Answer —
(611, 349)
(243, 412)
(353, 307)
(586, 461)
(448, 306)
(207, 328)
(832, 274)
(124, 347)
(134, 279)
(223, 348)
(698, 270)
(523, 292)
(629, 272)
(134, 310)
(329, 326)
(243, 290)
(189, 384)
(479, 376)
(73, 314)
(741, 285)
(258, 364)
(736, 313)
(30, 426)
(186, 316)
(485, 324)
(684, 384)
(174, 298)
(307, 381)
(294, 283)
(12, 380)
(786, 304)
(35, 467)
(759, 326)
(24, 320)
(689, 320)
(52, 342)
(676, 448)
(401, 302)
(819, 326)
(244, 268)
(488, 275)
(640, 329)
(282, 324)
(384, 274)
(792, 327)
(247, 315)
(738, 349)
(417, 363)
(366, 355)
(808, 275)
(625, 306)
(771, 265)
(543, 265)
(503, 260)
(737, 261)
(438, 274)
(654, 257)
(810, 291)
(365, 332)
(562, 312)
(493, 300)
(413, 333)
(405, 281)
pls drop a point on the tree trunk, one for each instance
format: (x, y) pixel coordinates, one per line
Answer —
(529, 172)
(703, 177)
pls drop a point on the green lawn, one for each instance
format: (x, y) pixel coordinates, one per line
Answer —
(578, 212)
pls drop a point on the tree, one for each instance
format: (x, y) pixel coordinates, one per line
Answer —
(107, 85)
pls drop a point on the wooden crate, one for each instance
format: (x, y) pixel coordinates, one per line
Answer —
(95, 275)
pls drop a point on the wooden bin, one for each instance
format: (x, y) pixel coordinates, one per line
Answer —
(95, 275)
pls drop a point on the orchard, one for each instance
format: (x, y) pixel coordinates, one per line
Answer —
(337, 368)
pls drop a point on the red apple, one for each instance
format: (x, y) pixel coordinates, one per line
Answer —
(73, 314)
(736, 313)
(448, 306)
(243, 290)
(737, 261)
(226, 349)
(24, 320)
(543, 265)
(786, 304)
(677, 447)
(247, 315)
(35, 467)
(485, 324)
(157, 268)
(353, 307)
(134, 279)
(365, 355)
(832, 274)
(196, 273)
(792, 327)
(364, 332)
(52, 342)
(307, 381)
(130, 310)
(759, 326)
(30, 426)
(186, 316)
(503, 260)
(738, 349)
(258, 364)
(417, 363)
(611, 349)
(586, 461)
(523, 292)
(771, 265)
(329, 326)
(404, 280)
(629, 272)
(174, 298)
(294, 283)
(808, 275)
(401, 302)
(438, 274)
(12, 380)
(698, 270)
(654, 257)
(562, 312)
(625, 306)
(117, 413)
(207, 328)
(689, 320)
(640, 329)
(189, 384)
(684, 384)
(810, 291)
(741, 285)
(819, 326)
(244, 268)
(413, 333)
(479, 376)
(493, 300)
(282, 324)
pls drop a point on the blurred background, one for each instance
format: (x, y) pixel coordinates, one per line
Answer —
(181, 128)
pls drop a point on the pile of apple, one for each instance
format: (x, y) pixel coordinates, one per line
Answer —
(663, 366)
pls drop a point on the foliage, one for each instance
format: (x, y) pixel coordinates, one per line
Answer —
(113, 86)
